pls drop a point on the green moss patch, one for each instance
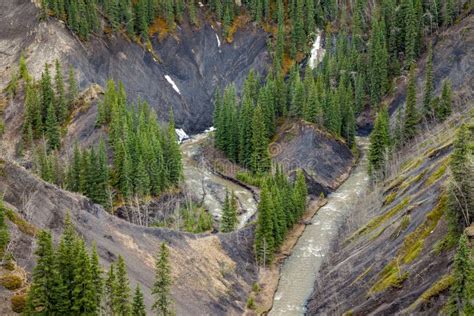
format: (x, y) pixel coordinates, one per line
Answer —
(413, 243)
(379, 220)
(438, 173)
(437, 288)
(390, 277)
(11, 281)
(390, 198)
(22, 225)
(401, 227)
(18, 303)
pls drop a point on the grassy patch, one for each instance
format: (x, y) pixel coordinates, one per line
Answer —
(376, 222)
(18, 302)
(438, 287)
(403, 225)
(409, 182)
(390, 277)
(411, 164)
(413, 243)
(11, 281)
(249, 178)
(22, 225)
(437, 173)
(390, 198)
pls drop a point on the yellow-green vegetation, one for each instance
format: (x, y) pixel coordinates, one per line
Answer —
(249, 178)
(362, 275)
(403, 225)
(390, 277)
(348, 313)
(437, 173)
(376, 222)
(438, 287)
(22, 225)
(251, 302)
(11, 281)
(409, 182)
(413, 243)
(411, 164)
(389, 198)
(18, 302)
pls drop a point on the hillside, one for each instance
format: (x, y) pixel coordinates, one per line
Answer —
(387, 259)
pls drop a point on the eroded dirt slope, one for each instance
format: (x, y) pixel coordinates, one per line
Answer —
(193, 59)
(212, 273)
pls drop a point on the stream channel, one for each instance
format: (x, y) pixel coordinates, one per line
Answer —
(300, 270)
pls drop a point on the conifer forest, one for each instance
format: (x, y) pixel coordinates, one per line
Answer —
(236, 157)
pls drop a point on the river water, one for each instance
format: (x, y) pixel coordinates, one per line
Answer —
(209, 187)
(300, 270)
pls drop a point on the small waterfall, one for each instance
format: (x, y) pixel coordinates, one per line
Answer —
(317, 52)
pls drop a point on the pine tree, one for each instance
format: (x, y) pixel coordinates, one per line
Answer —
(462, 289)
(121, 295)
(46, 289)
(97, 279)
(428, 89)
(229, 213)
(379, 141)
(410, 34)
(83, 293)
(378, 60)
(162, 286)
(52, 128)
(264, 239)
(110, 288)
(300, 193)
(138, 306)
(61, 105)
(174, 164)
(411, 113)
(72, 87)
(444, 107)
(260, 160)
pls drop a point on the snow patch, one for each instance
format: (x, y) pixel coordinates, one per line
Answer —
(218, 41)
(181, 134)
(200, 4)
(171, 82)
(317, 53)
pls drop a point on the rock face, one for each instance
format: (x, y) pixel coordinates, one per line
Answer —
(193, 59)
(212, 273)
(325, 160)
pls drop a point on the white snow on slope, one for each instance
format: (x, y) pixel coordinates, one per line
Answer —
(317, 53)
(218, 41)
(171, 82)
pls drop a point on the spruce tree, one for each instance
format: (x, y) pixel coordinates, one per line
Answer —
(428, 88)
(411, 114)
(162, 286)
(264, 239)
(444, 107)
(97, 279)
(52, 128)
(110, 288)
(138, 306)
(83, 293)
(174, 165)
(72, 87)
(229, 213)
(462, 289)
(121, 296)
(260, 160)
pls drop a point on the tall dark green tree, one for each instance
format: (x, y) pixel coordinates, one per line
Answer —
(428, 88)
(229, 213)
(138, 306)
(163, 281)
(411, 113)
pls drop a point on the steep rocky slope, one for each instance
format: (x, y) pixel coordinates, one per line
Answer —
(325, 160)
(212, 273)
(385, 261)
(193, 59)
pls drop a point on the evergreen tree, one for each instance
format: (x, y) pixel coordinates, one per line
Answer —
(428, 89)
(72, 87)
(121, 295)
(97, 279)
(229, 213)
(138, 306)
(61, 105)
(84, 299)
(378, 60)
(264, 239)
(410, 33)
(411, 113)
(52, 128)
(110, 289)
(378, 145)
(46, 291)
(174, 165)
(462, 289)
(162, 286)
(260, 157)
(443, 108)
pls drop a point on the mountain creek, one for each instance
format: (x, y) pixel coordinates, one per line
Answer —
(300, 270)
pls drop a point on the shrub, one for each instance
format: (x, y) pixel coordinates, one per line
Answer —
(11, 281)
(251, 303)
(18, 302)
